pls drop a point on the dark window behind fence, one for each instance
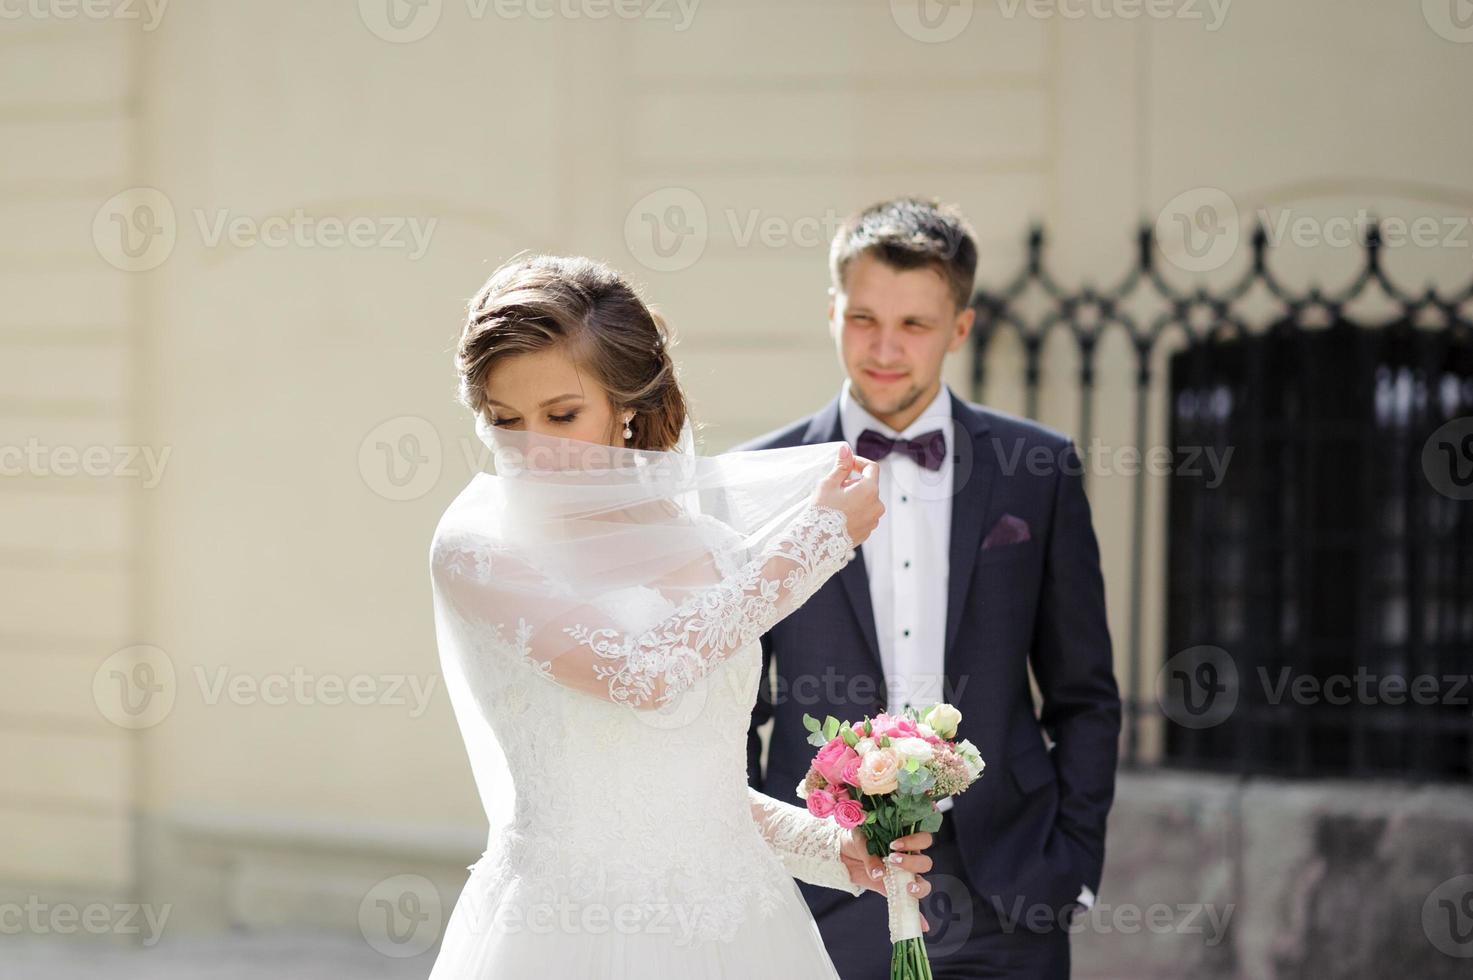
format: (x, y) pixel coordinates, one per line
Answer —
(1319, 598)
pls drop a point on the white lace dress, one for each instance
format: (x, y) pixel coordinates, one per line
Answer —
(636, 848)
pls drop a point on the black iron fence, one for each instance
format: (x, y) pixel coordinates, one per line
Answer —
(1319, 592)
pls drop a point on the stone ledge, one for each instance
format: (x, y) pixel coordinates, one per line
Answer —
(1273, 879)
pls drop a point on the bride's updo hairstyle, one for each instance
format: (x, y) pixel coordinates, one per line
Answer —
(536, 302)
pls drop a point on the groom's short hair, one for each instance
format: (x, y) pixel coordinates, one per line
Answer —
(910, 233)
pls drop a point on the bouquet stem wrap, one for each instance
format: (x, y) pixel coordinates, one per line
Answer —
(908, 958)
(905, 908)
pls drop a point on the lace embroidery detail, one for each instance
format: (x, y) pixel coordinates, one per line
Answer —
(665, 661)
(676, 838)
(808, 846)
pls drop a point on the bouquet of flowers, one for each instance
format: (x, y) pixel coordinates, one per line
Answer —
(884, 776)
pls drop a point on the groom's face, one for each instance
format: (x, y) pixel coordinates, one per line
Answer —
(893, 329)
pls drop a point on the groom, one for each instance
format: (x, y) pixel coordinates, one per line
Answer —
(984, 565)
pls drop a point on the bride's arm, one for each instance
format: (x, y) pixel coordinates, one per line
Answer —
(808, 845)
(511, 604)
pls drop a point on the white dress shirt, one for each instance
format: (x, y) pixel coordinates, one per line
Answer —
(906, 556)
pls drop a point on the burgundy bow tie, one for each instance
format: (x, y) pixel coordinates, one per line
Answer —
(928, 449)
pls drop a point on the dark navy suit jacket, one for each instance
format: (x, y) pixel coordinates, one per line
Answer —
(1032, 829)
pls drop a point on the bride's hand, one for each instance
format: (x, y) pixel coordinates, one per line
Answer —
(856, 469)
(859, 499)
(867, 870)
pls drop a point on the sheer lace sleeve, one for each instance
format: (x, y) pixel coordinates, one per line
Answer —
(807, 845)
(511, 604)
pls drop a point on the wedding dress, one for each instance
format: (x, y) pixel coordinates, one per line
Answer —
(607, 726)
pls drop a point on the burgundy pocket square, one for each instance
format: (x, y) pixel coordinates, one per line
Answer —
(1008, 530)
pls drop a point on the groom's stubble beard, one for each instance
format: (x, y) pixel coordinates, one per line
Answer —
(903, 403)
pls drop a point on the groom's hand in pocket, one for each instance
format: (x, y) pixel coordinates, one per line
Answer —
(868, 871)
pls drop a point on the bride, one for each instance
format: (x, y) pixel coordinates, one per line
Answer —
(598, 603)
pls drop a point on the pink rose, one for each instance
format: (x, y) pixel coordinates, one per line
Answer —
(820, 803)
(850, 774)
(832, 759)
(848, 813)
(896, 726)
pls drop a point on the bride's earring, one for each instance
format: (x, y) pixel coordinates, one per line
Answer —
(628, 433)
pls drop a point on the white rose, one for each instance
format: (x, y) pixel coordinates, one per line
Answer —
(925, 729)
(943, 718)
(971, 757)
(865, 746)
(803, 788)
(912, 748)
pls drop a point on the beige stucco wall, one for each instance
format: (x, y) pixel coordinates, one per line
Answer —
(303, 393)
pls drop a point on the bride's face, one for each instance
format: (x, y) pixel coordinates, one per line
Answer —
(544, 392)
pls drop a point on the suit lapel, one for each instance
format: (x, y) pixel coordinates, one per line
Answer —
(973, 472)
(826, 426)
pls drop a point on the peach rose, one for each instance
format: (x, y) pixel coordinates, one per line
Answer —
(878, 772)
